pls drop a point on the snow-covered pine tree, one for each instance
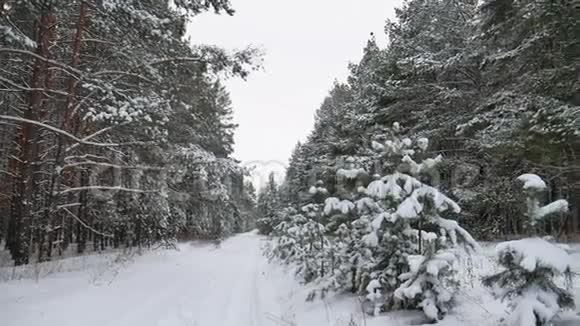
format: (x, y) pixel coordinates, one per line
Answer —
(415, 244)
(349, 255)
(390, 237)
(534, 268)
(300, 237)
(282, 247)
(268, 204)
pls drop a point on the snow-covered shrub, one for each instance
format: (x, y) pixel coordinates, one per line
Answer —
(529, 280)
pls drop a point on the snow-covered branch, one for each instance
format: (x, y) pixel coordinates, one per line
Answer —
(116, 188)
(124, 74)
(86, 225)
(117, 166)
(41, 58)
(31, 89)
(534, 186)
(69, 135)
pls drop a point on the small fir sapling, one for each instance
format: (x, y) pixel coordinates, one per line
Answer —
(534, 268)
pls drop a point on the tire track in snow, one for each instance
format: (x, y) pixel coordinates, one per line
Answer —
(256, 304)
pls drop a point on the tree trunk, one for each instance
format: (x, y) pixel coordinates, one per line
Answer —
(50, 210)
(69, 116)
(82, 213)
(22, 167)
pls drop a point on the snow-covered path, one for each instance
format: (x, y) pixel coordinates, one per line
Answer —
(199, 285)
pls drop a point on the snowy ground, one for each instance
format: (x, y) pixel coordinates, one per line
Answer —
(206, 285)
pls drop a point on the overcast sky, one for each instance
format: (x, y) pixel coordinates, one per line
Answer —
(308, 44)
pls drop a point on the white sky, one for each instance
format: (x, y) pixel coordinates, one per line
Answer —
(308, 44)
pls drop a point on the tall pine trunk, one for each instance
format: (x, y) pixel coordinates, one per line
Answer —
(23, 165)
(51, 212)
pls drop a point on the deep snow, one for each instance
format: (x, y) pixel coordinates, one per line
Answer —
(231, 284)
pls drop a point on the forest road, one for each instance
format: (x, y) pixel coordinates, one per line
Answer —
(200, 285)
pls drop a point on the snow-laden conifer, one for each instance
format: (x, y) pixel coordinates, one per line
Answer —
(537, 276)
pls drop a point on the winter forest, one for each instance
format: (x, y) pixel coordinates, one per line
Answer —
(439, 183)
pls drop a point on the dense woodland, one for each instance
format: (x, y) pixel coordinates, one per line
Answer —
(426, 147)
(115, 130)
(494, 85)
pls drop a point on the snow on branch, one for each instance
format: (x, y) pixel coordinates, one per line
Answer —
(13, 33)
(366, 205)
(30, 89)
(533, 253)
(534, 185)
(86, 225)
(333, 204)
(124, 74)
(67, 134)
(91, 136)
(389, 186)
(425, 166)
(41, 58)
(414, 204)
(110, 165)
(532, 182)
(167, 60)
(350, 173)
(118, 188)
(559, 206)
(86, 156)
(453, 229)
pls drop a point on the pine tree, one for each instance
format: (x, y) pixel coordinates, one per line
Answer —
(416, 244)
(268, 204)
(389, 237)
